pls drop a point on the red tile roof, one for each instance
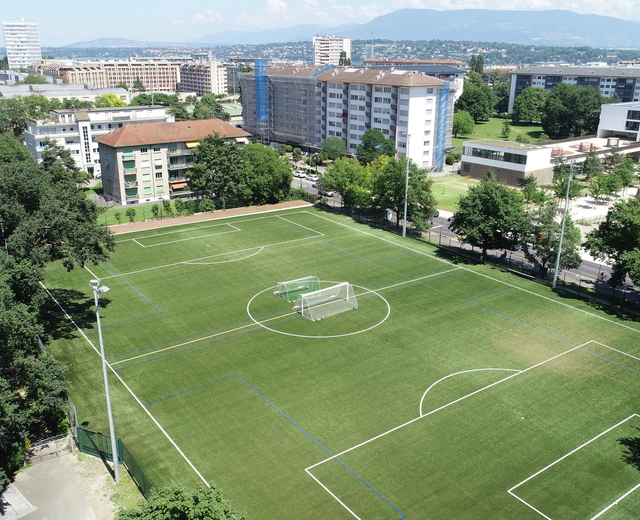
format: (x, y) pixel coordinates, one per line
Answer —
(157, 133)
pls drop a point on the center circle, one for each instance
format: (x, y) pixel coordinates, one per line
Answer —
(321, 337)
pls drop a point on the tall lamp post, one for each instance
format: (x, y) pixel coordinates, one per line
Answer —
(406, 188)
(97, 289)
(564, 219)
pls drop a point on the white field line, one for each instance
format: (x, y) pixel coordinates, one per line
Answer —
(186, 262)
(92, 273)
(477, 273)
(225, 224)
(510, 491)
(445, 406)
(252, 324)
(530, 506)
(225, 261)
(458, 373)
(616, 350)
(129, 390)
(300, 225)
(615, 503)
(224, 218)
(190, 238)
(332, 494)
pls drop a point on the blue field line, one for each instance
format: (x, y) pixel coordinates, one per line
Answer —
(349, 252)
(190, 348)
(609, 359)
(132, 287)
(402, 515)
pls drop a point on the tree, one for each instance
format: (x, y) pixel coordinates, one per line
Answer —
(109, 100)
(571, 110)
(156, 99)
(122, 85)
(131, 214)
(13, 115)
(541, 247)
(217, 169)
(201, 111)
(57, 160)
(501, 94)
(528, 107)
(179, 110)
(592, 165)
(616, 241)
(506, 129)
(388, 192)
(462, 123)
(179, 205)
(12, 150)
(138, 86)
(490, 216)
(560, 188)
(268, 177)
(32, 79)
(181, 504)
(626, 172)
(531, 192)
(351, 180)
(598, 186)
(476, 63)
(333, 148)
(373, 145)
(217, 109)
(477, 98)
(612, 160)
(344, 61)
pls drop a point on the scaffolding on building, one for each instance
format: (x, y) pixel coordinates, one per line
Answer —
(443, 125)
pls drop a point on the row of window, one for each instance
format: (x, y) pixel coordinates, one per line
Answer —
(497, 156)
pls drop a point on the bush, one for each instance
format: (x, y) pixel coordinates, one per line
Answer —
(155, 211)
(206, 205)
(118, 216)
(179, 206)
(131, 214)
(450, 159)
(190, 207)
(166, 206)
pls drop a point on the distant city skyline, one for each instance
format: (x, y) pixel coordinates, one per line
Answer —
(161, 21)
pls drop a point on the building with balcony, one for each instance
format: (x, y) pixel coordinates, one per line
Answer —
(203, 77)
(302, 106)
(623, 81)
(22, 42)
(620, 120)
(403, 62)
(144, 163)
(327, 50)
(66, 92)
(78, 129)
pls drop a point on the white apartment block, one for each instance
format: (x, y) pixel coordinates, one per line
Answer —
(22, 42)
(309, 104)
(623, 81)
(78, 129)
(203, 77)
(327, 49)
(621, 120)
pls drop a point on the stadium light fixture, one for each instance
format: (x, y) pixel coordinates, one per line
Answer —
(97, 289)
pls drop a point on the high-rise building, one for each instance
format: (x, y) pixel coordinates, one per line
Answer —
(303, 106)
(327, 50)
(22, 42)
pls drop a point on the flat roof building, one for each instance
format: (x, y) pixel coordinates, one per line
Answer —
(22, 42)
(327, 50)
(143, 163)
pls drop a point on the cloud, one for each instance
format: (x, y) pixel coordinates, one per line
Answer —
(177, 22)
(207, 16)
(276, 6)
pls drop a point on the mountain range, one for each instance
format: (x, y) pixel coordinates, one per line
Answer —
(549, 28)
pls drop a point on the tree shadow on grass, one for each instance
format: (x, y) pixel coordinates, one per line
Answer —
(631, 450)
(77, 305)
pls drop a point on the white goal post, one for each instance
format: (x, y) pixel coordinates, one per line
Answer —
(292, 289)
(327, 302)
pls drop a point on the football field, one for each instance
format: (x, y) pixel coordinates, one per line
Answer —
(453, 390)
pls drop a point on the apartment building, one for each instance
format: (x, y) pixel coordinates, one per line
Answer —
(327, 50)
(78, 130)
(453, 75)
(305, 105)
(155, 75)
(623, 81)
(203, 77)
(22, 42)
(144, 163)
(66, 92)
(402, 62)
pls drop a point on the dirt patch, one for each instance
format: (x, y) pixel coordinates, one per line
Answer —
(201, 217)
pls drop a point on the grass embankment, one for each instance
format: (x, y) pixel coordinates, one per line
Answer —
(492, 129)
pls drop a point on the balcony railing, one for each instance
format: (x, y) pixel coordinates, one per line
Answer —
(132, 197)
(128, 156)
(131, 184)
(178, 166)
(184, 151)
(129, 170)
(177, 178)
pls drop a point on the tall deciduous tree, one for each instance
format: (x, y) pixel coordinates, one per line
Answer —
(268, 176)
(217, 169)
(462, 123)
(541, 247)
(616, 241)
(490, 215)
(333, 148)
(109, 100)
(528, 107)
(477, 98)
(592, 165)
(13, 115)
(217, 109)
(571, 110)
(351, 180)
(374, 144)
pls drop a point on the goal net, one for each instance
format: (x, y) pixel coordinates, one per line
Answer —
(292, 289)
(327, 302)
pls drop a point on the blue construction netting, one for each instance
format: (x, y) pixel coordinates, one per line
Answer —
(441, 128)
(262, 91)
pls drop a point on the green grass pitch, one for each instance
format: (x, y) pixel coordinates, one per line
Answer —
(454, 391)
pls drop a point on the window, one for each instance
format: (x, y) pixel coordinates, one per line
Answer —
(361, 108)
(378, 100)
(466, 167)
(144, 149)
(427, 143)
(377, 120)
(146, 176)
(147, 191)
(353, 137)
(156, 148)
(145, 163)
(378, 110)
(158, 175)
(159, 188)
(429, 91)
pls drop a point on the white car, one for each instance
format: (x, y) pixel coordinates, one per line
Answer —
(300, 174)
(312, 177)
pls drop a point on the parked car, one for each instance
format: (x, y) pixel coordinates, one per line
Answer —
(300, 174)
(312, 177)
(325, 193)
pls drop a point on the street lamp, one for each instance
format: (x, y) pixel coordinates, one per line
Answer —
(97, 289)
(406, 187)
(564, 219)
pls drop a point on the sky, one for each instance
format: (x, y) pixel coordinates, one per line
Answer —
(62, 23)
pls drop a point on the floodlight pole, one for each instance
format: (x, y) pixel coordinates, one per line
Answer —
(95, 285)
(406, 187)
(564, 219)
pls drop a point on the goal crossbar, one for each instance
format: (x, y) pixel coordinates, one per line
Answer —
(292, 289)
(327, 302)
